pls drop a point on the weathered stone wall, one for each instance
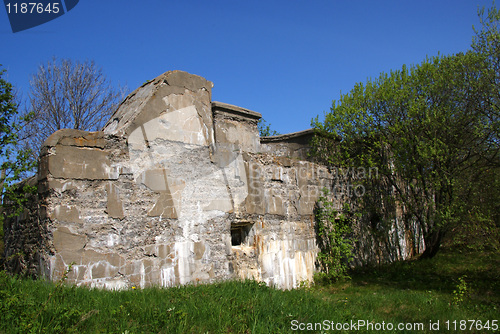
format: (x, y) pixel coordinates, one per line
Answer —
(178, 189)
(293, 145)
(25, 236)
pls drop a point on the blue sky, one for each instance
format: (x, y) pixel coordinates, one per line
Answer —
(285, 59)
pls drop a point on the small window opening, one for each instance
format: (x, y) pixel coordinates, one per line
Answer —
(241, 234)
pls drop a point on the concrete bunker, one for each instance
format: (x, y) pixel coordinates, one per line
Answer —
(179, 189)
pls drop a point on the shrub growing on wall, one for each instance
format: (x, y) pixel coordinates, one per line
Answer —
(332, 229)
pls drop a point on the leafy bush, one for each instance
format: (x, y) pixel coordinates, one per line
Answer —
(333, 229)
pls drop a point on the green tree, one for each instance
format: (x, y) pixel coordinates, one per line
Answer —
(13, 162)
(429, 129)
(486, 42)
(332, 231)
(265, 129)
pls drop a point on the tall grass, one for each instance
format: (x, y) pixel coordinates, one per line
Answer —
(408, 292)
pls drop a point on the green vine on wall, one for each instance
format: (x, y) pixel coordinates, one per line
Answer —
(332, 230)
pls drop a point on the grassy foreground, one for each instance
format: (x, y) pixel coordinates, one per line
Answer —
(450, 287)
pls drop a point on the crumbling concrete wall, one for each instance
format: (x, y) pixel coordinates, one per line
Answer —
(177, 189)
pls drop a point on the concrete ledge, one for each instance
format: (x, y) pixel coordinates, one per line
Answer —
(235, 110)
(288, 136)
(72, 137)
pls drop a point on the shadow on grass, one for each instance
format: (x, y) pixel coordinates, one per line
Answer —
(481, 271)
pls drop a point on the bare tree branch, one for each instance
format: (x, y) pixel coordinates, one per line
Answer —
(68, 94)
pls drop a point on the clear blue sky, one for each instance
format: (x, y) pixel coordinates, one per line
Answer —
(285, 59)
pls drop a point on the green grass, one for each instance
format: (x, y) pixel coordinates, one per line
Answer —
(408, 292)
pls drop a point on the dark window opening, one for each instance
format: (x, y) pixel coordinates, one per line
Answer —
(375, 220)
(241, 234)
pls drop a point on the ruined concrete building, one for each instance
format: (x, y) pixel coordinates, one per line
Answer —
(179, 189)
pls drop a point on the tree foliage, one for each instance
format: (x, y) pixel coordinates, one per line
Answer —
(333, 231)
(68, 94)
(265, 129)
(13, 162)
(486, 43)
(430, 129)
